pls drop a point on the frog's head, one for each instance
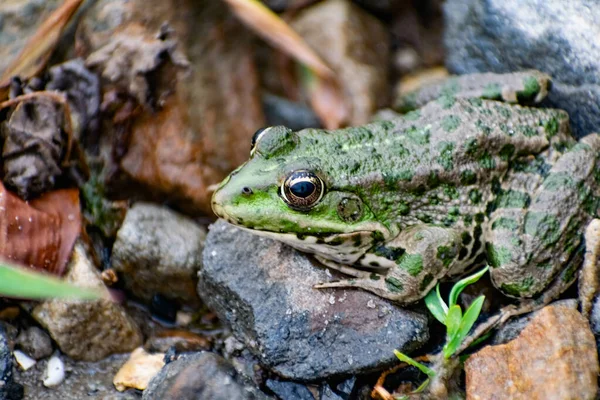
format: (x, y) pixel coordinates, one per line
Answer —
(286, 192)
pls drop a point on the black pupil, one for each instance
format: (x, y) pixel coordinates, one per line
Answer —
(302, 189)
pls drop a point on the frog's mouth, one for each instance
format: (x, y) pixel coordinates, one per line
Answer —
(343, 248)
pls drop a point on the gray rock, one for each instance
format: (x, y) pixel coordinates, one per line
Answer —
(87, 330)
(595, 322)
(554, 36)
(326, 393)
(35, 342)
(290, 390)
(200, 376)
(264, 290)
(158, 251)
(296, 116)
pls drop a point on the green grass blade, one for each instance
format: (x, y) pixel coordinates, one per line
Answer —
(422, 386)
(423, 368)
(453, 320)
(462, 284)
(436, 305)
(27, 284)
(470, 317)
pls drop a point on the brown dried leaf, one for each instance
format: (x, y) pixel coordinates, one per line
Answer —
(40, 234)
(36, 53)
(274, 30)
(37, 140)
(328, 101)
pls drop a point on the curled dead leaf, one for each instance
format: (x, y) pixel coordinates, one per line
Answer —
(40, 234)
(38, 49)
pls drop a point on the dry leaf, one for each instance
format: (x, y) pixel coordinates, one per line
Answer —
(36, 53)
(40, 234)
(274, 30)
(328, 101)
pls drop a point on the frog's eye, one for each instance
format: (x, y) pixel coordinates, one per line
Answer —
(256, 138)
(302, 190)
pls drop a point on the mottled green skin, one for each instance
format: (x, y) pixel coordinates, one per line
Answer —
(440, 190)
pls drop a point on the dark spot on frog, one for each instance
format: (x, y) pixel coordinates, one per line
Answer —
(466, 238)
(463, 253)
(335, 241)
(477, 231)
(468, 177)
(374, 277)
(394, 285)
(390, 253)
(374, 264)
(425, 282)
(446, 254)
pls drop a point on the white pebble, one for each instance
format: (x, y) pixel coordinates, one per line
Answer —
(24, 361)
(55, 372)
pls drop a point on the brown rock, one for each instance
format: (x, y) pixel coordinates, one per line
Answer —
(355, 45)
(204, 115)
(87, 330)
(553, 358)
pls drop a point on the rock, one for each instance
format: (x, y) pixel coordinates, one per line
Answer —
(554, 357)
(264, 290)
(83, 380)
(205, 114)
(87, 330)
(296, 116)
(514, 327)
(180, 340)
(35, 342)
(139, 369)
(55, 372)
(510, 35)
(595, 321)
(9, 390)
(200, 376)
(289, 390)
(355, 45)
(158, 251)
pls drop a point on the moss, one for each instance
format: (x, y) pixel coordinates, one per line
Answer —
(450, 123)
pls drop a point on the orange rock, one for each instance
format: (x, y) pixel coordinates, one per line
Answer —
(138, 370)
(554, 357)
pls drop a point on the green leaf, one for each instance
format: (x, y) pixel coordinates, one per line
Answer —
(462, 284)
(422, 386)
(27, 284)
(454, 340)
(436, 305)
(453, 320)
(423, 368)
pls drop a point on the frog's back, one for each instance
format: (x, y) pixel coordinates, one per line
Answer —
(420, 165)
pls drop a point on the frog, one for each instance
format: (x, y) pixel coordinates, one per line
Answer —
(472, 173)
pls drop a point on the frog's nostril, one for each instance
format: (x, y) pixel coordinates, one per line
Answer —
(246, 190)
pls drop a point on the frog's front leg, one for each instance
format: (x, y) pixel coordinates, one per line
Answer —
(415, 260)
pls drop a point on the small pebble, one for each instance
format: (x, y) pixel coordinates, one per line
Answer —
(24, 361)
(55, 372)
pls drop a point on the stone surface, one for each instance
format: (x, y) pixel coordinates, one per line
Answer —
(554, 357)
(514, 327)
(35, 342)
(509, 35)
(264, 290)
(87, 330)
(83, 380)
(200, 376)
(205, 114)
(139, 369)
(158, 251)
(296, 116)
(289, 390)
(9, 389)
(355, 45)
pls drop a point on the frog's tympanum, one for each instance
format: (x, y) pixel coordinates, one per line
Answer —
(400, 204)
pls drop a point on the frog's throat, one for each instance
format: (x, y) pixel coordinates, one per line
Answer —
(341, 248)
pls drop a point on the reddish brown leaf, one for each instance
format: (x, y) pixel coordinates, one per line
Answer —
(40, 234)
(36, 53)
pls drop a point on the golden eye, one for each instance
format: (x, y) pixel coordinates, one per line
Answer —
(302, 190)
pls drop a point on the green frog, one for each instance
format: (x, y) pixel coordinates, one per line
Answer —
(467, 177)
